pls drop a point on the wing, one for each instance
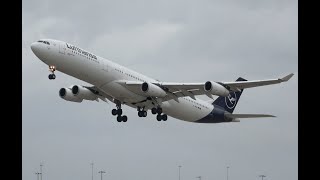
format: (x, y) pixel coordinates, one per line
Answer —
(176, 90)
(172, 90)
(99, 94)
(236, 86)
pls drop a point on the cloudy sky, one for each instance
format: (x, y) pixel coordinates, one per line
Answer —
(170, 40)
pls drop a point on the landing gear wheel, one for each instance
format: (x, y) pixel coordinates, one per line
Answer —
(124, 118)
(119, 112)
(159, 117)
(119, 118)
(154, 110)
(52, 76)
(144, 113)
(159, 110)
(114, 112)
(164, 117)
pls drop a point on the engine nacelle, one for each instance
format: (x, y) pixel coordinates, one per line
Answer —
(216, 89)
(152, 90)
(83, 93)
(66, 94)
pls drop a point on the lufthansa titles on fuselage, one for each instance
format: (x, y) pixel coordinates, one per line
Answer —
(75, 48)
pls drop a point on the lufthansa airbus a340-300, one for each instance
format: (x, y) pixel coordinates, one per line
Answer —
(122, 86)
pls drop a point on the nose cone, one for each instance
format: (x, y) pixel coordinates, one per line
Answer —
(34, 47)
(37, 49)
(41, 51)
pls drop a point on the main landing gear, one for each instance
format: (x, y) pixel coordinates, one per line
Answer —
(118, 112)
(52, 69)
(142, 112)
(158, 111)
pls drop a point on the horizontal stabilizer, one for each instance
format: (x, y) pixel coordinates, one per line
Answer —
(248, 115)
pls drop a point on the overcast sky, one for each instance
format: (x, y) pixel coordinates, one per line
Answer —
(170, 40)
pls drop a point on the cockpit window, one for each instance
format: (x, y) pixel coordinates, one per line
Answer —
(45, 42)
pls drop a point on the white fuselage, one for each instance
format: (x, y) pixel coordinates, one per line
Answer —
(105, 74)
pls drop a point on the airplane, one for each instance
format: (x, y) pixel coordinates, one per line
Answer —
(123, 86)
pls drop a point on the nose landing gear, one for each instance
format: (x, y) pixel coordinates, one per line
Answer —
(52, 69)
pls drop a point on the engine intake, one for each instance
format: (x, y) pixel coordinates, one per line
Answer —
(216, 89)
(66, 94)
(152, 90)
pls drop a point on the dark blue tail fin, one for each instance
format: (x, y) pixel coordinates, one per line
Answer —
(229, 103)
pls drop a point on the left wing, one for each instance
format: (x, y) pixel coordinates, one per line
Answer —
(99, 94)
(236, 86)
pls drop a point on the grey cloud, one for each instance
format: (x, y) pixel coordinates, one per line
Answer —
(208, 40)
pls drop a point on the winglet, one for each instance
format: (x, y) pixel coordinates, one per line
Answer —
(286, 78)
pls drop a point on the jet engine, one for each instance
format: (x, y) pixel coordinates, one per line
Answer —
(216, 89)
(66, 94)
(152, 90)
(83, 93)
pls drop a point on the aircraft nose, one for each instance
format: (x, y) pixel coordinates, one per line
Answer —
(34, 47)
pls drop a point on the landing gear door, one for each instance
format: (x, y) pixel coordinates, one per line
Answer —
(62, 48)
